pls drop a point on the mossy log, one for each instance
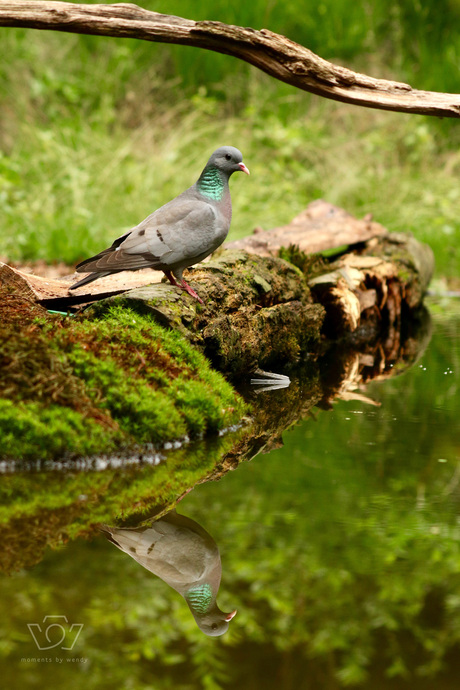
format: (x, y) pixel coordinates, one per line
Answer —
(134, 368)
(258, 311)
(268, 311)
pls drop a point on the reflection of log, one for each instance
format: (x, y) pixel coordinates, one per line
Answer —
(341, 372)
(270, 52)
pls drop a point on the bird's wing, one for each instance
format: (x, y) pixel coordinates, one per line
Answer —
(176, 555)
(176, 231)
(112, 260)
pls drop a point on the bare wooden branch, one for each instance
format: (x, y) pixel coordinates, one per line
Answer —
(274, 54)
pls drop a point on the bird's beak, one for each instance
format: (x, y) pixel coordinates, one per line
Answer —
(231, 615)
(245, 170)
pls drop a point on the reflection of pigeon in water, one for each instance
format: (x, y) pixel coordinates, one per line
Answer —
(180, 552)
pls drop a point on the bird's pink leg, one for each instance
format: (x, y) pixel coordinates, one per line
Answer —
(190, 290)
(171, 278)
(185, 286)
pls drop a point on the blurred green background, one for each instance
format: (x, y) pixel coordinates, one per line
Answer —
(95, 133)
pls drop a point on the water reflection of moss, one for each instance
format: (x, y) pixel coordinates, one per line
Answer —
(46, 509)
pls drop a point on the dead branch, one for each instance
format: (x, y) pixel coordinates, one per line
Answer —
(274, 54)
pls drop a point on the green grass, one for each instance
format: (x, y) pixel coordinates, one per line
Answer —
(98, 132)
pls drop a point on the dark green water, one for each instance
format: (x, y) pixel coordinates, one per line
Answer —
(340, 550)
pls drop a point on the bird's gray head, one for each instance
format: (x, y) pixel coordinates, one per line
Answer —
(227, 159)
(215, 622)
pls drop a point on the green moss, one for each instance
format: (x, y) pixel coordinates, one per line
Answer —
(32, 431)
(152, 381)
(142, 411)
(309, 264)
(79, 386)
(200, 407)
(42, 509)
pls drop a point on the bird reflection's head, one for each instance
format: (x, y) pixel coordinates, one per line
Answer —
(215, 622)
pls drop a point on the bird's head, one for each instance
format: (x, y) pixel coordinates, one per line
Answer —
(215, 622)
(228, 159)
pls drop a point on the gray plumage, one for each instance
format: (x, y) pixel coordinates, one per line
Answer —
(180, 552)
(179, 234)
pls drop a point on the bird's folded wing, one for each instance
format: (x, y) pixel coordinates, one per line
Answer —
(178, 555)
(114, 260)
(176, 231)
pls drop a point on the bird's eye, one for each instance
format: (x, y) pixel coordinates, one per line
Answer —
(214, 626)
(228, 157)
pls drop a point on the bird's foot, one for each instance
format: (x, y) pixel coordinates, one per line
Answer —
(185, 286)
(171, 278)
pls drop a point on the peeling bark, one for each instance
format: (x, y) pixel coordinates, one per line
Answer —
(320, 227)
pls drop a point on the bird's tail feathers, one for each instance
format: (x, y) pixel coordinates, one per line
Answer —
(89, 279)
(107, 531)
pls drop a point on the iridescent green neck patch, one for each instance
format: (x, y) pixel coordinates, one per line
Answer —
(211, 184)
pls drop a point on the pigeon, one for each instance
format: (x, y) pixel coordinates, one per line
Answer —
(180, 552)
(179, 234)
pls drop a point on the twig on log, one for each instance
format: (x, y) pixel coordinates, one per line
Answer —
(274, 54)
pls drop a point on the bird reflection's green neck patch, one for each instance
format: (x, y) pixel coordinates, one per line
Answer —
(199, 598)
(211, 184)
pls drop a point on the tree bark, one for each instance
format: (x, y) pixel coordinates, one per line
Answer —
(274, 54)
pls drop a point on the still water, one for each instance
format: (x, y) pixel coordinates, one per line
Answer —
(340, 551)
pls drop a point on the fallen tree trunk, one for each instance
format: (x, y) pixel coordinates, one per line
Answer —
(260, 309)
(262, 312)
(274, 54)
(321, 226)
(134, 368)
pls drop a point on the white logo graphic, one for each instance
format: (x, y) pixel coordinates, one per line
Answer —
(55, 627)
